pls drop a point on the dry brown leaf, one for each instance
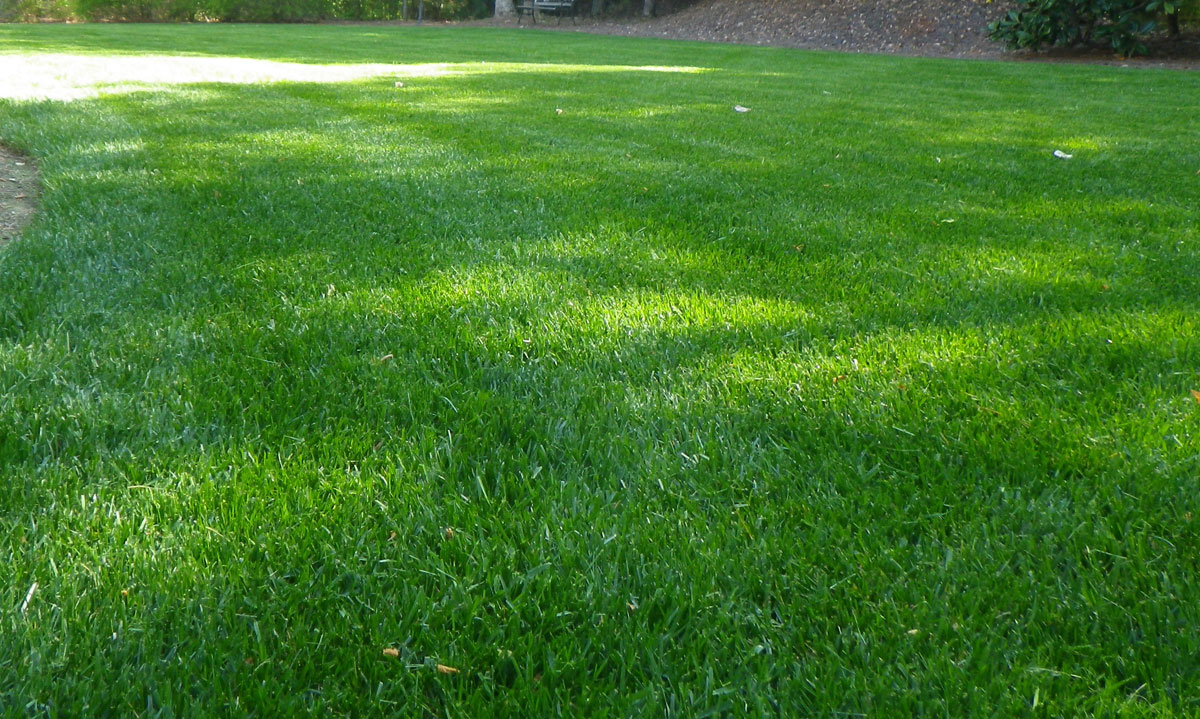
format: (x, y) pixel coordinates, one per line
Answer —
(1196, 396)
(392, 652)
(840, 377)
(443, 669)
(450, 532)
(392, 536)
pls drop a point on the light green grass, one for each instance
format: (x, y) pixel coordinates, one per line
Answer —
(860, 403)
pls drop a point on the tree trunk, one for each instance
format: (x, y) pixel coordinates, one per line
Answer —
(597, 7)
(648, 8)
(504, 7)
(1173, 23)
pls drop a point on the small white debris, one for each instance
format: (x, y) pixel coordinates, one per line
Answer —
(28, 598)
(1062, 155)
(739, 108)
(558, 111)
(399, 84)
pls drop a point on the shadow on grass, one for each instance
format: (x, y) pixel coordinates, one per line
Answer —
(761, 410)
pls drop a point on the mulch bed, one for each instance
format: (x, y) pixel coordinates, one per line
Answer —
(933, 28)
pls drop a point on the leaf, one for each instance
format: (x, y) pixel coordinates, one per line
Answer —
(537, 570)
(1196, 396)
(391, 652)
(443, 669)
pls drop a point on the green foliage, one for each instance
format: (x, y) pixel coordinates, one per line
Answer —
(1122, 24)
(634, 7)
(237, 10)
(34, 10)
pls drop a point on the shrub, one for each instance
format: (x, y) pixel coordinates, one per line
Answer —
(34, 10)
(236, 10)
(1123, 24)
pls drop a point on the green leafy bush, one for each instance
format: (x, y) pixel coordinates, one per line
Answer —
(1123, 24)
(34, 10)
(237, 10)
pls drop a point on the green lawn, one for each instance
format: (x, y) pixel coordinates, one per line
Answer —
(861, 403)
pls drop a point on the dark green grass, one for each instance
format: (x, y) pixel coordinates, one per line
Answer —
(860, 403)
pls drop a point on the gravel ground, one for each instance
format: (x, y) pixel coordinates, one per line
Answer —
(939, 28)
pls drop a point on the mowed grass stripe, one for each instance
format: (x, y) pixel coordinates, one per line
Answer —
(860, 402)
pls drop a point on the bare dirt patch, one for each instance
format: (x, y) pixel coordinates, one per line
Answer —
(18, 192)
(922, 27)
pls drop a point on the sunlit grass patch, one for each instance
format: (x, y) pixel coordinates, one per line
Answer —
(60, 76)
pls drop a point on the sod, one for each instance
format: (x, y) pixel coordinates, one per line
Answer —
(546, 384)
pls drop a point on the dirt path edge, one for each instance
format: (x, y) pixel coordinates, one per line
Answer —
(19, 189)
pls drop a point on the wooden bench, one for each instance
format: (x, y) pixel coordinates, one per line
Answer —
(556, 7)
